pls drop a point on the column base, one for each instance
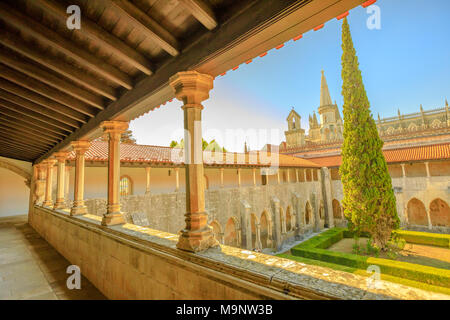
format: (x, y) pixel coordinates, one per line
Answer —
(47, 203)
(112, 219)
(196, 241)
(78, 211)
(59, 204)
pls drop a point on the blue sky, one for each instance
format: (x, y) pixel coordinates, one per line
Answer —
(404, 64)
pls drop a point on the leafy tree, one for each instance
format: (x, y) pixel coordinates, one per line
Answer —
(173, 144)
(369, 201)
(127, 137)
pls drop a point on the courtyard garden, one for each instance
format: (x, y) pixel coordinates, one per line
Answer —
(416, 259)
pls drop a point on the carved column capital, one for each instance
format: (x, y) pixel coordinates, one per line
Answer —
(191, 87)
(61, 156)
(80, 146)
(114, 127)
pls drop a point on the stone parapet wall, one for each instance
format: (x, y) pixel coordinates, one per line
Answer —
(132, 262)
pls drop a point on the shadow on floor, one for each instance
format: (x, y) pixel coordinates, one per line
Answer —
(30, 268)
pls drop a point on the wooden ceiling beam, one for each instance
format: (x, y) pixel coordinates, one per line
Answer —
(28, 113)
(26, 104)
(44, 90)
(13, 141)
(18, 152)
(43, 101)
(10, 127)
(17, 121)
(29, 120)
(151, 28)
(202, 11)
(51, 38)
(63, 68)
(16, 155)
(48, 78)
(32, 138)
(98, 35)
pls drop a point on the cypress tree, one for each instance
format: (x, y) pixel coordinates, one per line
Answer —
(369, 201)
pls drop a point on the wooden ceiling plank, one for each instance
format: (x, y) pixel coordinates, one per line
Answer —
(26, 104)
(19, 143)
(44, 90)
(42, 75)
(10, 127)
(43, 101)
(10, 152)
(15, 108)
(35, 139)
(152, 29)
(63, 68)
(202, 11)
(31, 121)
(16, 155)
(101, 37)
(69, 48)
(17, 121)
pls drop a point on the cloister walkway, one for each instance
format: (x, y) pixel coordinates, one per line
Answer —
(31, 269)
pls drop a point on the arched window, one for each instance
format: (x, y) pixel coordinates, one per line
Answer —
(417, 214)
(308, 210)
(125, 186)
(439, 213)
(337, 213)
(288, 219)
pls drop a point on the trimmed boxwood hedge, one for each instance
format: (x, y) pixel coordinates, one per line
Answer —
(433, 239)
(315, 248)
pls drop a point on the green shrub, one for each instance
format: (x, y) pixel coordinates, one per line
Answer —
(426, 238)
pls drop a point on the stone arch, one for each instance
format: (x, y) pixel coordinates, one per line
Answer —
(289, 216)
(439, 213)
(231, 236)
(417, 214)
(266, 227)
(125, 185)
(412, 127)
(308, 213)
(253, 222)
(337, 210)
(17, 170)
(217, 230)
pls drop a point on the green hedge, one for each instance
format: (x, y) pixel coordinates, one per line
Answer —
(314, 248)
(433, 239)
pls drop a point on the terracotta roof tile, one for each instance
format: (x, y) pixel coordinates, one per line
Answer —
(419, 153)
(158, 154)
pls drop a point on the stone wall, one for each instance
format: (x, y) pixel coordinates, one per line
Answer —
(165, 212)
(132, 262)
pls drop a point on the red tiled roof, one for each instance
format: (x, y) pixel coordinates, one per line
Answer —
(419, 153)
(158, 154)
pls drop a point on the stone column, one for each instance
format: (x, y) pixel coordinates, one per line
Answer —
(325, 183)
(304, 175)
(192, 88)
(239, 177)
(246, 226)
(287, 175)
(39, 190)
(258, 244)
(296, 175)
(221, 177)
(275, 204)
(177, 179)
(49, 183)
(114, 129)
(278, 175)
(254, 177)
(80, 148)
(147, 174)
(67, 183)
(61, 158)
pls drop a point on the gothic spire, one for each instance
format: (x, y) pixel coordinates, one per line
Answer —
(325, 99)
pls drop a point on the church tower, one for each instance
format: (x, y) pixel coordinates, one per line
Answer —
(295, 135)
(331, 124)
